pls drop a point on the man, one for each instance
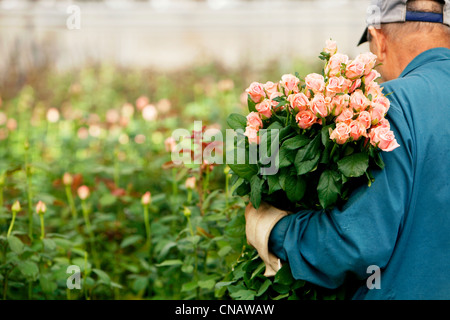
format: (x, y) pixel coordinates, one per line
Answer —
(401, 224)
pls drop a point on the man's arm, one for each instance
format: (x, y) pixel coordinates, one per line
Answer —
(322, 247)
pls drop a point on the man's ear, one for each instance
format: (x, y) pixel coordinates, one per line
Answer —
(378, 43)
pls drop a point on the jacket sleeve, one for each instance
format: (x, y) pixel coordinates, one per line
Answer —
(322, 247)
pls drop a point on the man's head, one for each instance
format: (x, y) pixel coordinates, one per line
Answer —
(397, 43)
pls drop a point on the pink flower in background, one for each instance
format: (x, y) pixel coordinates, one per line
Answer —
(315, 82)
(254, 120)
(271, 88)
(333, 68)
(141, 102)
(112, 116)
(41, 208)
(365, 119)
(190, 183)
(67, 179)
(146, 198)
(341, 134)
(319, 106)
(358, 101)
(290, 83)
(170, 144)
(305, 119)
(53, 115)
(298, 102)
(252, 135)
(83, 192)
(256, 92)
(149, 113)
(383, 138)
(265, 109)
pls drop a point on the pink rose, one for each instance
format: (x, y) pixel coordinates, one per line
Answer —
(365, 119)
(355, 69)
(346, 116)
(315, 82)
(358, 101)
(384, 101)
(341, 134)
(383, 138)
(339, 103)
(331, 47)
(299, 102)
(356, 84)
(271, 88)
(333, 67)
(372, 76)
(256, 92)
(275, 103)
(265, 109)
(369, 60)
(338, 85)
(254, 120)
(373, 89)
(290, 83)
(252, 134)
(357, 130)
(377, 113)
(305, 119)
(319, 106)
(384, 123)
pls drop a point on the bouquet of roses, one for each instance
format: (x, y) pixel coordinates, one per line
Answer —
(324, 133)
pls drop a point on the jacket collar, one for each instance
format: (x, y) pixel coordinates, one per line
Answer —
(432, 55)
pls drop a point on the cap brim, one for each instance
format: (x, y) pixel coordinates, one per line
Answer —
(364, 37)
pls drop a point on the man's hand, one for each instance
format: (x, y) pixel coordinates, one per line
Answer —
(259, 224)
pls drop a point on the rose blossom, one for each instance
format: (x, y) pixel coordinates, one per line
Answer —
(252, 134)
(356, 84)
(369, 60)
(384, 123)
(256, 92)
(290, 83)
(305, 119)
(339, 103)
(338, 85)
(373, 89)
(315, 82)
(265, 109)
(170, 144)
(331, 47)
(358, 101)
(384, 101)
(341, 134)
(346, 116)
(333, 67)
(377, 112)
(298, 102)
(319, 106)
(83, 192)
(372, 76)
(365, 119)
(357, 130)
(254, 120)
(271, 88)
(383, 138)
(355, 69)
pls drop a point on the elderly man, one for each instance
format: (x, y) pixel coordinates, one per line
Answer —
(401, 224)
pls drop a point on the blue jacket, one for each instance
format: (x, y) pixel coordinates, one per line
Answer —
(402, 222)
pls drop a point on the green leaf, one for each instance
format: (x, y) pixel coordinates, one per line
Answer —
(264, 287)
(189, 286)
(107, 200)
(243, 295)
(48, 284)
(274, 183)
(49, 244)
(251, 104)
(167, 263)
(206, 284)
(245, 171)
(128, 241)
(102, 275)
(236, 121)
(284, 276)
(329, 188)
(255, 193)
(354, 165)
(295, 187)
(308, 157)
(15, 244)
(29, 269)
(296, 142)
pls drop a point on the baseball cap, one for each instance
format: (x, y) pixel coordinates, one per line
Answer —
(389, 11)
